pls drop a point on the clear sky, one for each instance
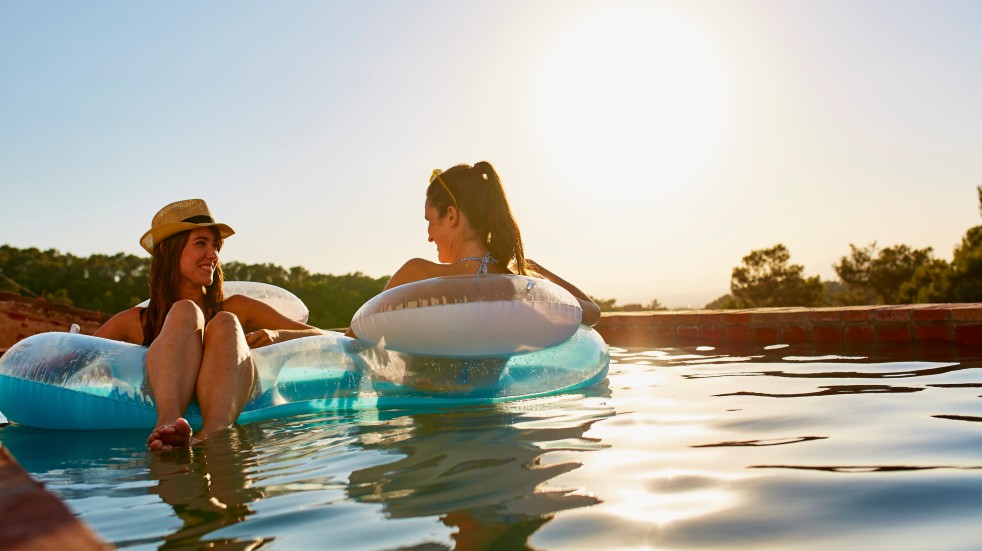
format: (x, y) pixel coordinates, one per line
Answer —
(646, 146)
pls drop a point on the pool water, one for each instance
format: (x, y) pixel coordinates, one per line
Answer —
(685, 448)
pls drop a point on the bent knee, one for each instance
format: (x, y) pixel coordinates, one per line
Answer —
(224, 323)
(185, 312)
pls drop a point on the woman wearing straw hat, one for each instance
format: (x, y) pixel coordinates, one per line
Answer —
(198, 347)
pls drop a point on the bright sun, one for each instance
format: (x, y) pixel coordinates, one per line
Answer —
(633, 97)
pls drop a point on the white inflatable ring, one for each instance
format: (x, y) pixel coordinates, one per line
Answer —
(280, 299)
(477, 315)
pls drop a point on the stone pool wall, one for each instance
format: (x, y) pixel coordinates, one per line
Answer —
(959, 324)
(21, 317)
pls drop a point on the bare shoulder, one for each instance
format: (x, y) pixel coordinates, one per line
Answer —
(420, 265)
(125, 326)
(415, 269)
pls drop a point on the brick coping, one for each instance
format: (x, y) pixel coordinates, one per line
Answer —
(35, 519)
(952, 323)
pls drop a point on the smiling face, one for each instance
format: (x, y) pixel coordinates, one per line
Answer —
(200, 257)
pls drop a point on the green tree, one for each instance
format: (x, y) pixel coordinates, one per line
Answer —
(766, 279)
(931, 282)
(876, 276)
(965, 277)
(725, 302)
(960, 281)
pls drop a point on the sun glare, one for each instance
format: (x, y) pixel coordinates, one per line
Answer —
(632, 96)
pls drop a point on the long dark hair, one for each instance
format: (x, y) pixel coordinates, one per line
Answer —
(482, 199)
(165, 279)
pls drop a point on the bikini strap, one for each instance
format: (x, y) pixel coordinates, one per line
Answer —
(484, 261)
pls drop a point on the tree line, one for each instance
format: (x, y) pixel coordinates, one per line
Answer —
(111, 283)
(898, 274)
(868, 275)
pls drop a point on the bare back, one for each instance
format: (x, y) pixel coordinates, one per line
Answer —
(418, 269)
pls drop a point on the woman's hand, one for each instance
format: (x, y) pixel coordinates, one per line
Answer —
(262, 337)
(276, 327)
(591, 312)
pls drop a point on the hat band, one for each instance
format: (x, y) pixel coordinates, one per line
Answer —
(200, 219)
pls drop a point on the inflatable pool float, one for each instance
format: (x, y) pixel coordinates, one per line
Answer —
(469, 316)
(280, 299)
(73, 381)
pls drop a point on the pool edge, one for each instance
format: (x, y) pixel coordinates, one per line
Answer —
(958, 324)
(36, 519)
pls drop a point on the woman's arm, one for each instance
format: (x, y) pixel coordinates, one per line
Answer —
(264, 324)
(591, 312)
(124, 326)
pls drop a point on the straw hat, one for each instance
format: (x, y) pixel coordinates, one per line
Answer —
(180, 216)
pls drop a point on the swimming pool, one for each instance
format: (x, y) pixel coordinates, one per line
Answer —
(684, 448)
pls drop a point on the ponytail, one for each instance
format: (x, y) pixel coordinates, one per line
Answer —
(504, 237)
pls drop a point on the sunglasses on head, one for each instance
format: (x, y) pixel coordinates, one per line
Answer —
(436, 176)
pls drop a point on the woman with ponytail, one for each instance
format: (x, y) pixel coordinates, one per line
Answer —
(198, 339)
(475, 233)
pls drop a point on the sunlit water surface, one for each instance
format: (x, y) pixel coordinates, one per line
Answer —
(768, 448)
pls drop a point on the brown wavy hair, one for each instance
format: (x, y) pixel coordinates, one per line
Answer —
(165, 278)
(482, 199)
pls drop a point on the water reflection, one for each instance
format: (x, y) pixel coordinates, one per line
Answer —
(865, 468)
(698, 455)
(206, 487)
(772, 442)
(209, 487)
(856, 372)
(829, 391)
(710, 460)
(972, 418)
(485, 472)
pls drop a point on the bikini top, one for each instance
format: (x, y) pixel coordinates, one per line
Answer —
(484, 261)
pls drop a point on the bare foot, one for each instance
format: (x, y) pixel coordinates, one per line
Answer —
(168, 437)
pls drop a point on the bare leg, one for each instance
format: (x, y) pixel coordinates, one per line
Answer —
(226, 375)
(173, 361)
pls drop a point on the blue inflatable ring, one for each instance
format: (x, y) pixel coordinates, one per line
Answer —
(72, 381)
